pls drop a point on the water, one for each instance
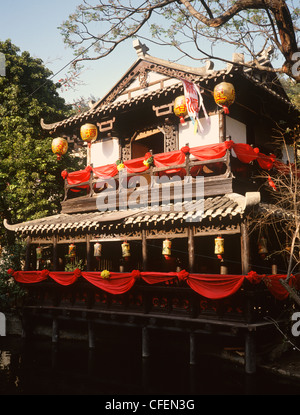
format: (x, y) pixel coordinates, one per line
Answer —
(115, 367)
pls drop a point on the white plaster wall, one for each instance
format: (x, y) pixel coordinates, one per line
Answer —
(209, 135)
(236, 130)
(105, 152)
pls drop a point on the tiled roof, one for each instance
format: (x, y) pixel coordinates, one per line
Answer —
(214, 208)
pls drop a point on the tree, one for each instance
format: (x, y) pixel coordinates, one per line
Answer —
(249, 25)
(281, 218)
(30, 181)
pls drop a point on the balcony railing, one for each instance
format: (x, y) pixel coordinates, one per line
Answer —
(211, 161)
(94, 180)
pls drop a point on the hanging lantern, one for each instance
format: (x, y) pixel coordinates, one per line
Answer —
(59, 147)
(224, 95)
(166, 251)
(125, 250)
(180, 108)
(97, 250)
(262, 246)
(72, 251)
(88, 133)
(219, 246)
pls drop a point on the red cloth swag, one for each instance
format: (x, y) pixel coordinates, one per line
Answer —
(104, 172)
(213, 286)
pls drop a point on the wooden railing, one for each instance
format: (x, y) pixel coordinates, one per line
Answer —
(153, 171)
(251, 304)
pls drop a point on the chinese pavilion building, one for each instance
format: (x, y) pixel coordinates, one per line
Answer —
(155, 231)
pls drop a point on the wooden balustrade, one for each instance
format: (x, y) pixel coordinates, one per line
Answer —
(153, 171)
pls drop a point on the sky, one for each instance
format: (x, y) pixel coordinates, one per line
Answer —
(32, 25)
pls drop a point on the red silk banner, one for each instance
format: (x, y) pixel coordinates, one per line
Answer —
(213, 286)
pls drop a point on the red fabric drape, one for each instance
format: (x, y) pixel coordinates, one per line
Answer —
(118, 283)
(244, 152)
(30, 277)
(80, 176)
(64, 278)
(104, 172)
(213, 286)
(210, 152)
(135, 165)
(169, 159)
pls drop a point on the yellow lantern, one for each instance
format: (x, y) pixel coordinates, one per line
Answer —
(59, 147)
(180, 108)
(219, 246)
(166, 251)
(88, 133)
(224, 95)
(125, 250)
(97, 250)
(72, 251)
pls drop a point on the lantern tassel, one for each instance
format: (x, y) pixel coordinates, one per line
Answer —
(226, 109)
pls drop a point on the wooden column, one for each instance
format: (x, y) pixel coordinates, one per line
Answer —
(55, 331)
(91, 334)
(144, 250)
(192, 348)
(222, 126)
(55, 253)
(145, 342)
(245, 249)
(191, 248)
(28, 253)
(88, 253)
(250, 352)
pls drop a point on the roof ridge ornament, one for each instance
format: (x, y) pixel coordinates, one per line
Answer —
(141, 48)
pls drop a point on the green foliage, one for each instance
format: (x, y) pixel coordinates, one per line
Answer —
(30, 175)
(73, 263)
(10, 292)
(293, 91)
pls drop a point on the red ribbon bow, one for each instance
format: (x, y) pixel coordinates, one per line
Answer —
(182, 275)
(136, 274)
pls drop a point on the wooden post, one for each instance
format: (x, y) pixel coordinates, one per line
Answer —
(192, 348)
(145, 342)
(55, 255)
(250, 352)
(55, 331)
(91, 334)
(88, 253)
(144, 250)
(28, 253)
(245, 249)
(191, 248)
(222, 126)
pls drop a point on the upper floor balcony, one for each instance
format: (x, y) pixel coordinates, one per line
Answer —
(188, 173)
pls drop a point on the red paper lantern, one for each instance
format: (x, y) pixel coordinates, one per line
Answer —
(180, 108)
(59, 147)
